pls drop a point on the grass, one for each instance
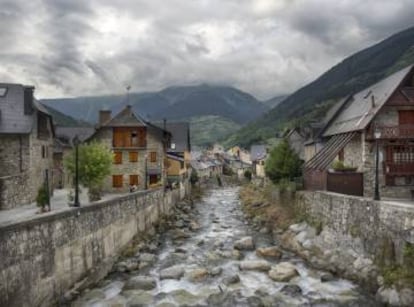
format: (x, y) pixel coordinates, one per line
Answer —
(267, 207)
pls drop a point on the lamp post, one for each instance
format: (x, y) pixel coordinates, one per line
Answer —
(377, 135)
(146, 172)
(76, 143)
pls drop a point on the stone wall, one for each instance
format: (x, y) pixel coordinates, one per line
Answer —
(377, 225)
(44, 257)
(22, 168)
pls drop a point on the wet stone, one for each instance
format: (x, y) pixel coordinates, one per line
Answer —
(140, 283)
(291, 290)
(233, 279)
(174, 272)
(245, 243)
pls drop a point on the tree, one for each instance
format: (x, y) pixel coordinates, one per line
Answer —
(248, 174)
(193, 177)
(95, 161)
(283, 163)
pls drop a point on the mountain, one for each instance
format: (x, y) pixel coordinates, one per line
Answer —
(61, 119)
(311, 102)
(172, 103)
(273, 102)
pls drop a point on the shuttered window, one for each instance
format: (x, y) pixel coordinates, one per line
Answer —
(153, 156)
(118, 157)
(153, 179)
(129, 137)
(117, 181)
(133, 156)
(133, 180)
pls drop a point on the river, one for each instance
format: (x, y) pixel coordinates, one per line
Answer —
(208, 274)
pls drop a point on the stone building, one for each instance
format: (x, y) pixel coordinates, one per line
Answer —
(179, 154)
(381, 114)
(139, 149)
(26, 146)
(258, 155)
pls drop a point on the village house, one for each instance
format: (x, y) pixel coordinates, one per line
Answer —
(381, 115)
(26, 146)
(139, 150)
(179, 154)
(258, 154)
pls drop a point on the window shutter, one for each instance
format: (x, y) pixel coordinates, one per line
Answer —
(153, 156)
(118, 157)
(133, 156)
(133, 180)
(117, 181)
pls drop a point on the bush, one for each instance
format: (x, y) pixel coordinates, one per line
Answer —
(194, 177)
(42, 198)
(248, 174)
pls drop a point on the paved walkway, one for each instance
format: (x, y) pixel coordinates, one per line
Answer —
(58, 203)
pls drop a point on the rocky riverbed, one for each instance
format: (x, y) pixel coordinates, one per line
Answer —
(209, 255)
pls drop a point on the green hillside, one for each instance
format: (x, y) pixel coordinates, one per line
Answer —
(208, 129)
(311, 102)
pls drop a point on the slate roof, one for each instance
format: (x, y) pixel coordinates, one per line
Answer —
(127, 117)
(356, 111)
(180, 136)
(258, 152)
(12, 116)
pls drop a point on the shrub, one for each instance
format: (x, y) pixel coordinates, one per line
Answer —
(248, 174)
(42, 198)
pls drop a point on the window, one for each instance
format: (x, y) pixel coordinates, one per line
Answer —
(3, 91)
(133, 180)
(153, 179)
(133, 156)
(341, 155)
(153, 156)
(117, 181)
(44, 151)
(118, 157)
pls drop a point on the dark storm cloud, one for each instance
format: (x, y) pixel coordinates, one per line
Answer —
(266, 47)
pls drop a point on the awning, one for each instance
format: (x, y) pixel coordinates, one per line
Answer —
(323, 159)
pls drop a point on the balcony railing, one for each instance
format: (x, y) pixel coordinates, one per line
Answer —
(393, 132)
(402, 169)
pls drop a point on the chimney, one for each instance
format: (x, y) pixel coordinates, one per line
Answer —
(28, 100)
(372, 101)
(165, 124)
(104, 116)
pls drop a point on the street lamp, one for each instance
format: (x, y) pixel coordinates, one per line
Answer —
(146, 171)
(76, 142)
(377, 135)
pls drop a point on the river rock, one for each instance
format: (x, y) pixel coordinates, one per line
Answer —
(127, 265)
(229, 280)
(194, 226)
(178, 234)
(307, 234)
(283, 272)
(326, 277)
(236, 254)
(183, 297)
(95, 294)
(200, 242)
(216, 271)
(198, 274)
(271, 252)
(245, 243)
(138, 297)
(147, 257)
(296, 228)
(388, 296)
(174, 272)
(407, 297)
(291, 290)
(140, 283)
(255, 265)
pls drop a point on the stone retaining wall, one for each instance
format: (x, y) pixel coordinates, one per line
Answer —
(380, 226)
(43, 258)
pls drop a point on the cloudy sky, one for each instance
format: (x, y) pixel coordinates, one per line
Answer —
(265, 47)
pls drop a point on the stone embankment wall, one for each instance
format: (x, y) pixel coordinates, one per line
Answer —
(380, 227)
(43, 258)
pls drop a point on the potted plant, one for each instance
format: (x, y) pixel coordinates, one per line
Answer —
(340, 166)
(42, 199)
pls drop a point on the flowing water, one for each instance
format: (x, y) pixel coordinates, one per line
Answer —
(211, 248)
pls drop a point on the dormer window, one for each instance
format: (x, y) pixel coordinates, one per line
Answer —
(3, 91)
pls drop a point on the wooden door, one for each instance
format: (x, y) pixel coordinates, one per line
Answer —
(406, 117)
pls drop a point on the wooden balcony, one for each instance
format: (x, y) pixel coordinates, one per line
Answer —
(393, 132)
(399, 169)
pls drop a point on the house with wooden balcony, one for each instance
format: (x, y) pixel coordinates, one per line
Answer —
(139, 150)
(381, 115)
